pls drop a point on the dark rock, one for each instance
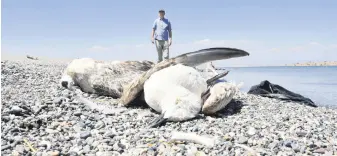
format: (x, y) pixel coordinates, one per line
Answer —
(78, 113)
(5, 118)
(85, 135)
(16, 110)
(5, 147)
(301, 134)
(109, 134)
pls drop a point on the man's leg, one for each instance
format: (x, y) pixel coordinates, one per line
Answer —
(166, 51)
(159, 48)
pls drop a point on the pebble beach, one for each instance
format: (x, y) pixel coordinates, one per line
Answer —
(39, 117)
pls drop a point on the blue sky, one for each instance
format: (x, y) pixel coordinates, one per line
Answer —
(273, 32)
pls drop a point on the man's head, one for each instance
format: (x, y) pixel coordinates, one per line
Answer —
(161, 13)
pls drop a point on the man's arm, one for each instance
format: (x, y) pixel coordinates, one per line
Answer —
(152, 32)
(170, 32)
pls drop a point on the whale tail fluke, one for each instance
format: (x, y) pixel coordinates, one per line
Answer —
(211, 54)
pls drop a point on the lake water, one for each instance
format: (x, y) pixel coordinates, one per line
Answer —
(317, 83)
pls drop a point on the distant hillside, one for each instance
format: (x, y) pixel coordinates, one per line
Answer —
(325, 63)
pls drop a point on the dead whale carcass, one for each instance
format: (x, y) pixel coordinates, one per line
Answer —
(135, 88)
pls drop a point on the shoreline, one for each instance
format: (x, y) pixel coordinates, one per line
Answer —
(36, 108)
(11, 57)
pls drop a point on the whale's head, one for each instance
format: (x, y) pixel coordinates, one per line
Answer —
(67, 81)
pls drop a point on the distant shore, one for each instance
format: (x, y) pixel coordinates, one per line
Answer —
(325, 63)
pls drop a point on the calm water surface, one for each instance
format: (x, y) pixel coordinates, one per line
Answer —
(317, 83)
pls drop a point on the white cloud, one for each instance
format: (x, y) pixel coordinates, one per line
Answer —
(313, 47)
(314, 43)
(297, 49)
(333, 46)
(98, 48)
(275, 49)
(204, 41)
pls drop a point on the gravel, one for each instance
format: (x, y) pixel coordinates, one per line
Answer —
(39, 117)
